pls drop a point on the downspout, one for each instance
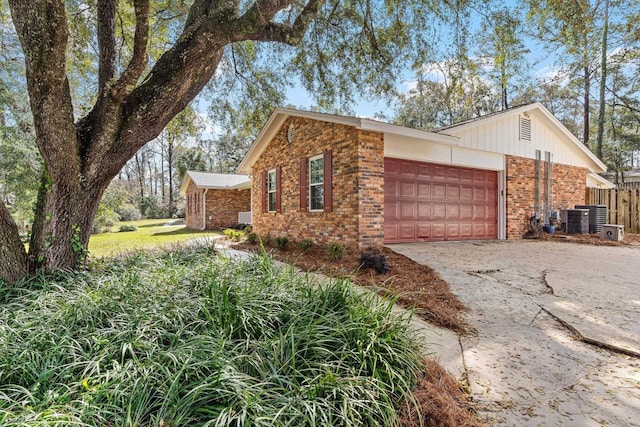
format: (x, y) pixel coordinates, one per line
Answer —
(204, 209)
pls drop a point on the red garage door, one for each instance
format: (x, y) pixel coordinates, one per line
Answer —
(425, 202)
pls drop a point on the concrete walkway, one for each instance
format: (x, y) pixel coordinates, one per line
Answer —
(557, 338)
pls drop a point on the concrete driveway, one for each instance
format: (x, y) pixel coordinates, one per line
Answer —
(557, 338)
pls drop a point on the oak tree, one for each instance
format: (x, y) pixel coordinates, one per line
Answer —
(335, 45)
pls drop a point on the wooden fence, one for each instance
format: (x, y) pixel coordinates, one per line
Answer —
(629, 186)
(623, 206)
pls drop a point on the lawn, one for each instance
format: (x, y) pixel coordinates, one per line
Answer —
(150, 233)
(188, 338)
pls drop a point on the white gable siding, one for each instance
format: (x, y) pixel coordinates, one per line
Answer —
(502, 135)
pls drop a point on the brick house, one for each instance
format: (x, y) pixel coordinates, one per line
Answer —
(214, 200)
(366, 183)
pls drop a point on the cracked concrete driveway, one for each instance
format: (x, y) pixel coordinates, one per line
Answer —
(557, 338)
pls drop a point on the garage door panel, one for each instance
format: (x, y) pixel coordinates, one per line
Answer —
(407, 231)
(391, 232)
(407, 189)
(439, 192)
(466, 175)
(453, 212)
(423, 171)
(439, 172)
(466, 230)
(466, 194)
(423, 230)
(424, 211)
(453, 192)
(466, 212)
(439, 211)
(426, 201)
(407, 210)
(453, 231)
(424, 191)
(438, 231)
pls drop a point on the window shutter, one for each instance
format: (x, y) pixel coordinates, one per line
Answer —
(278, 189)
(265, 208)
(328, 179)
(304, 182)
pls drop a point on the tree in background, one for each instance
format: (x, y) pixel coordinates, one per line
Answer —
(503, 51)
(570, 29)
(445, 93)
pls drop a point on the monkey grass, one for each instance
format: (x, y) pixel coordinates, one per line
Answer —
(189, 338)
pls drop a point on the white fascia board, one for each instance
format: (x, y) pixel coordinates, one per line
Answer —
(602, 182)
(185, 184)
(375, 126)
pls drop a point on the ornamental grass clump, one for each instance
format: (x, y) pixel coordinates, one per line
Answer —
(191, 338)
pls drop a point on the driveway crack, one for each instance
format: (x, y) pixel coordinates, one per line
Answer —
(546, 283)
(578, 336)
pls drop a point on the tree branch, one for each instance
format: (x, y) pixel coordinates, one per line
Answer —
(138, 61)
(42, 28)
(106, 42)
(257, 24)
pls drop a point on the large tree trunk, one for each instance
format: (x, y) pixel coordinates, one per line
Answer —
(64, 216)
(13, 258)
(82, 157)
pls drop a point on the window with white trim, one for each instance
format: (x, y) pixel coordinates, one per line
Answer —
(316, 183)
(271, 190)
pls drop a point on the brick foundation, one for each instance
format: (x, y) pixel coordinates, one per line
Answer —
(568, 189)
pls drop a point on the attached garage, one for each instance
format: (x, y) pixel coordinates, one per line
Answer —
(430, 202)
(477, 180)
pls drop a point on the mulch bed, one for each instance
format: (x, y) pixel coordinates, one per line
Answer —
(413, 285)
(630, 239)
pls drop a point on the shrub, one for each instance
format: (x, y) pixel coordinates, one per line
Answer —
(129, 213)
(335, 250)
(305, 244)
(281, 242)
(265, 239)
(233, 235)
(185, 339)
(128, 227)
(252, 238)
(376, 260)
(247, 229)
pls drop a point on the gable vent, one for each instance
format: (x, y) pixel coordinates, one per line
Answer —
(525, 128)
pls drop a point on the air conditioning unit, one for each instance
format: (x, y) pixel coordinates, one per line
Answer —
(575, 221)
(613, 232)
(597, 216)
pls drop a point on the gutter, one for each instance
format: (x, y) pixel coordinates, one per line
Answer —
(204, 209)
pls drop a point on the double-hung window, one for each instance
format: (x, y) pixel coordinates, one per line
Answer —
(271, 190)
(316, 183)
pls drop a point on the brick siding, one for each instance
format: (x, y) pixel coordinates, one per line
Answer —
(357, 184)
(568, 189)
(222, 207)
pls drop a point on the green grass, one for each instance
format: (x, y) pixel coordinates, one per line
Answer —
(187, 338)
(150, 233)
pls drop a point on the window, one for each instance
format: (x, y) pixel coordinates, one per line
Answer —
(316, 183)
(271, 190)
